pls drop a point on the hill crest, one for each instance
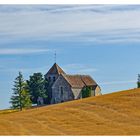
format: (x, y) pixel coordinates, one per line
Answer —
(111, 114)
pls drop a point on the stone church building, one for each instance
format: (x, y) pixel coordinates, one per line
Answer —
(63, 87)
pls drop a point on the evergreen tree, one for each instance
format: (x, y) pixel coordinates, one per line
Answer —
(36, 85)
(86, 92)
(138, 83)
(20, 98)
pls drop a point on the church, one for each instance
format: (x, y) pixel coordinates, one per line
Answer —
(63, 87)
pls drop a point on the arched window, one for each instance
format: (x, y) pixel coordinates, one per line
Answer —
(61, 88)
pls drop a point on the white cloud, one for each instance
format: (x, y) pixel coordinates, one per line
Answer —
(16, 51)
(104, 23)
(79, 69)
(117, 82)
(24, 70)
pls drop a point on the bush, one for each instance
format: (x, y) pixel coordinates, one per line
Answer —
(86, 92)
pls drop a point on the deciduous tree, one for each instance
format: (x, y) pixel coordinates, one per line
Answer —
(36, 85)
(86, 92)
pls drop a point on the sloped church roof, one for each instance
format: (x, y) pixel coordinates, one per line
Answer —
(79, 81)
(76, 81)
(55, 69)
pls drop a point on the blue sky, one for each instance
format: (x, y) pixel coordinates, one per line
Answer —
(100, 40)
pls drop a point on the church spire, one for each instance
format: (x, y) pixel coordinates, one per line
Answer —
(55, 69)
(55, 56)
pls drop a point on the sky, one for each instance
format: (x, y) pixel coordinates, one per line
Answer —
(98, 40)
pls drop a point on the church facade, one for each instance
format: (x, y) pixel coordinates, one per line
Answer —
(63, 87)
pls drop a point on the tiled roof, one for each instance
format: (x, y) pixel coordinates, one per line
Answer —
(79, 81)
(55, 69)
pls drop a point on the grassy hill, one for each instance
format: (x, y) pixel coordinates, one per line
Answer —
(112, 114)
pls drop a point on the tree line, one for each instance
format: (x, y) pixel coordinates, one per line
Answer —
(29, 92)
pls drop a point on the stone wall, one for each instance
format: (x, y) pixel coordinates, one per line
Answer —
(77, 93)
(92, 92)
(51, 80)
(98, 91)
(61, 91)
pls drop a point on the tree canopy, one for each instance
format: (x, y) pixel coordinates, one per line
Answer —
(36, 86)
(138, 83)
(86, 92)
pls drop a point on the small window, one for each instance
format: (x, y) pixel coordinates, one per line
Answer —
(61, 91)
(53, 79)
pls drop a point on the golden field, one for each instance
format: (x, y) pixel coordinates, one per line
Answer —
(111, 114)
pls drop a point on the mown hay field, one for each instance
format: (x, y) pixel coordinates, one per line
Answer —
(111, 114)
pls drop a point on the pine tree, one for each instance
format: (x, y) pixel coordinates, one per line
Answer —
(20, 98)
(138, 83)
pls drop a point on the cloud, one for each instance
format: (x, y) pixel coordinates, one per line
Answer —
(89, 23)
(19, 51)
(24, 70)
(117, 82)
(79, 69)
(68, 8)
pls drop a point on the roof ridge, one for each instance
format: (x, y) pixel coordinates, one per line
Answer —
(65, 77)
(55, 68)
(79, 80)
(83, 80)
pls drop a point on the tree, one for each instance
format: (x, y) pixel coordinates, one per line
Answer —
(26, 101)
(20, 98)
(86, 92)
(138, 83)
(37, 89)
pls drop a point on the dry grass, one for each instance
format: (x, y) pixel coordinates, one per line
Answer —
(7, 111)
(112, 114)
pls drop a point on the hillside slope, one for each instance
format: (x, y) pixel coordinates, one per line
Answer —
(111, 114)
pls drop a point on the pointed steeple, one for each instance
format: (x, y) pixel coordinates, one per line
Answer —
(55, 69)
